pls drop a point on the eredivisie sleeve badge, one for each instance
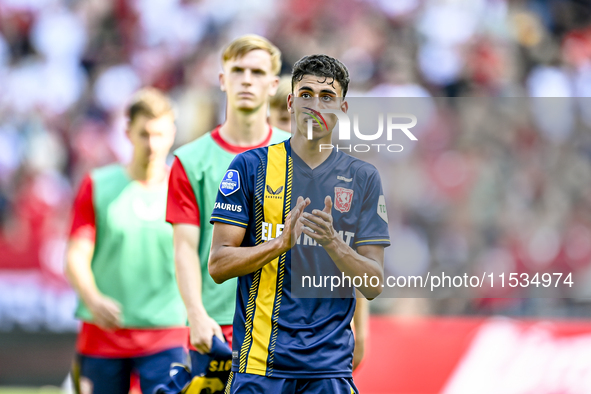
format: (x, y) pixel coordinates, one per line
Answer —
(230, 183)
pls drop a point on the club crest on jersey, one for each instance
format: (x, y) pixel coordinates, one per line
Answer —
(342, 199)
(230, 183)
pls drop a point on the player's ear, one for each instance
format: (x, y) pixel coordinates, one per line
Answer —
(274, 85)
(222, 81)
(344, 106)
(289, 103)
(128, 129)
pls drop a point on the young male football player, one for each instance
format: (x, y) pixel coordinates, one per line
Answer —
(280, 117)
(120, 262)
(282, 343)
(249, 78)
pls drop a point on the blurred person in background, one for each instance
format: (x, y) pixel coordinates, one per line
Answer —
(278, 115)
(250, 65)
(120, 262)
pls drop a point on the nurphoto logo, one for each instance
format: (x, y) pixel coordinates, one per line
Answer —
(344, 132)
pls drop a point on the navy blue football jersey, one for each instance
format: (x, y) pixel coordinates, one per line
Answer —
(279, 331)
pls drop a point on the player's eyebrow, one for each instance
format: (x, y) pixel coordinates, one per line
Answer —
(307, 88)
(252, 69)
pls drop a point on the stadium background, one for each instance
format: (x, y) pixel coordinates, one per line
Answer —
(479, 189)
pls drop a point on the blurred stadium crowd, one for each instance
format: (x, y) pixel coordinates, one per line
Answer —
(491, 184)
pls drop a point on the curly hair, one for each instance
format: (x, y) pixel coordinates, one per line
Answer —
(321, 66)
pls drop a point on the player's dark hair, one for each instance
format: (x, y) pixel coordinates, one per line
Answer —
(322, 66)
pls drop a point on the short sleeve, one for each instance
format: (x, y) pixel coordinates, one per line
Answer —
(181, 204)
(373, 220)
(232, 205)
(83, 219)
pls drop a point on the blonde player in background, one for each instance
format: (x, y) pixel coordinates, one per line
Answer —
(250, 65)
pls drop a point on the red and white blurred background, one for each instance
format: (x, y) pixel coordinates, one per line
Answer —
(459, 355)
(479, 190)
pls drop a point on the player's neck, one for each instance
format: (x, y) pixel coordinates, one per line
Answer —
(309, 150)
(242, 129)
(149, 173)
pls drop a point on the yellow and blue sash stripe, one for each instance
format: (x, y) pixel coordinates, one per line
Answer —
(262, 310)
